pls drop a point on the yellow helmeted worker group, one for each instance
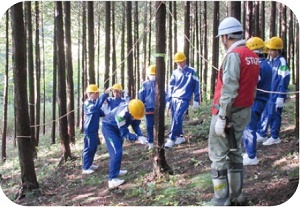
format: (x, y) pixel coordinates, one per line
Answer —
(242, 100)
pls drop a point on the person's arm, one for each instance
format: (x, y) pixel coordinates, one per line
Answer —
(136, 127)
(230, 78)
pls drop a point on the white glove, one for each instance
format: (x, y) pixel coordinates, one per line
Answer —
(143, 140)
(195, 104)
(220, 126)
(279, 102)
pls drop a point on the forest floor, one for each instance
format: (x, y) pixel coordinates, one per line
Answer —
(272, 182)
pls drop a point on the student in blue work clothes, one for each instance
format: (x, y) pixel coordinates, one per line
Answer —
(184, 82)
(116, 100)
(92, 113)
(257, 45)
(147, 96)
(115, 130)
(280, 81)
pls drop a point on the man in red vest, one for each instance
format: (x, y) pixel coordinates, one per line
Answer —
(234, 95)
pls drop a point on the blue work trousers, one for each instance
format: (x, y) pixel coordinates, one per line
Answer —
(89, 150)
(249, 134)
(271, 117)
(178, 108)
(114, 144)
(150, 126)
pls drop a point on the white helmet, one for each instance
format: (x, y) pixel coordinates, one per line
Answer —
(228, 26)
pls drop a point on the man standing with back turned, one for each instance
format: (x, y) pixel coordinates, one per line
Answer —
(233, 98)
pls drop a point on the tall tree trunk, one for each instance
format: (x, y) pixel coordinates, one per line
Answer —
(114, 53)
(107, 44)
(54, 90)
(5, 91)
(25, 144)
(170, 41)
(136, 50)
(273, 19)
(160, 164)
(91, 41)
(205, 51)
(186, 40)
(78, 121)
(63, 121)
(69, 65)
(130, 86)
(122, 55)
(215, 48)
(30, 68)
(84, 60)
(38, 74)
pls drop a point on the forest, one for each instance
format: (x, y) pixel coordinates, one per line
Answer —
(51, 51)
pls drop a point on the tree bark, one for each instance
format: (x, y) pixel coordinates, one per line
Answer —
(160, 164)
(63, 121)
(25, 143)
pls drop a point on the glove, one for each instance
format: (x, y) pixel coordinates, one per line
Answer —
(195, 104)
(279, 102)
(131, 137)
(143, 140)
(220, 126)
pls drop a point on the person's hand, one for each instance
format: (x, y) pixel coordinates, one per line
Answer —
(143, 140)
(195, 104)
(131, 137)
(107, 91)
(279, 102)
(220, 127)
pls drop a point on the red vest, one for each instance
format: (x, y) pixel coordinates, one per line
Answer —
(249, 72)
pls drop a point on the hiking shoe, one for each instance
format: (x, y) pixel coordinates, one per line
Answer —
(249, 161)
(179, 140)
(114, 183)
(88, 171)
(150, 146)
(272, 141)
(94, 167)
(169, 143)
(260, 138)
(123, 172)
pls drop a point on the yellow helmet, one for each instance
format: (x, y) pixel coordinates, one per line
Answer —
(275, 43)
(255, 43)
(179, 57)
(136, 108)
(152, 70)
(117, 87)
(92, 88)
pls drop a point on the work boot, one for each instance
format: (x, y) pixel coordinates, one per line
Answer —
(221, 190)
(235, 180)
